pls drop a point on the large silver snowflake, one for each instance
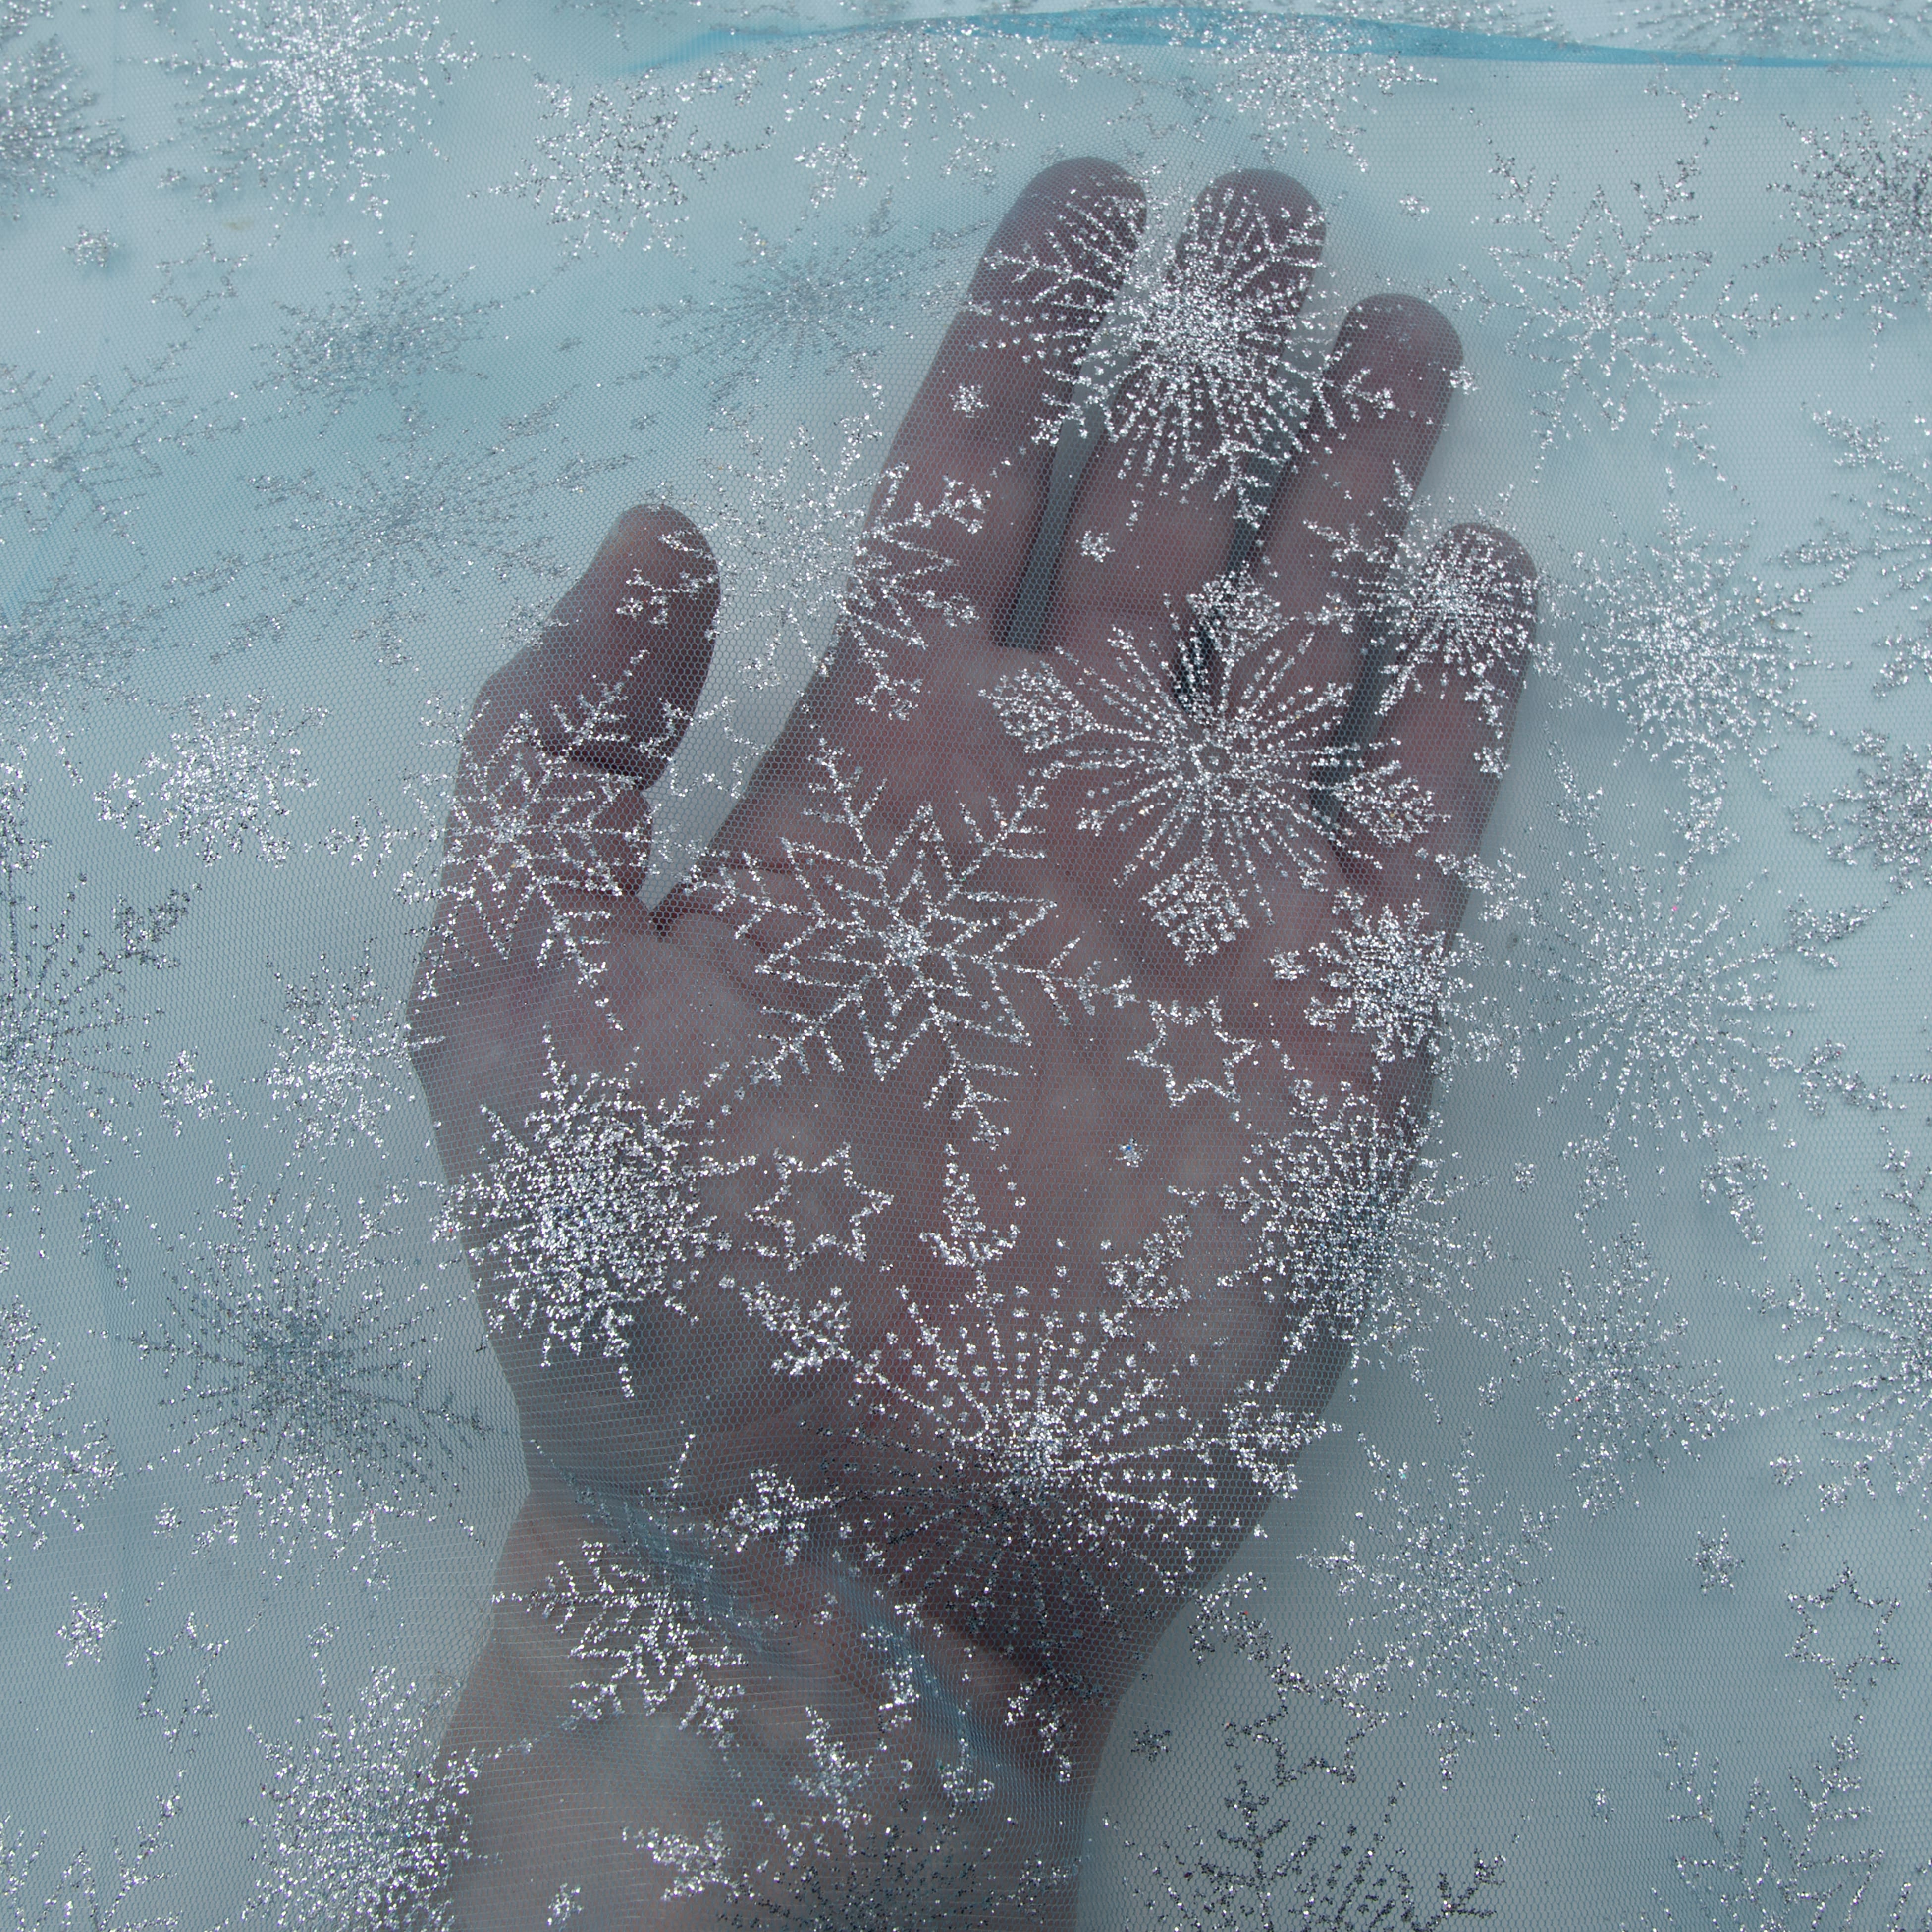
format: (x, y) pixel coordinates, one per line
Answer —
(1225, 790)
(894, 932)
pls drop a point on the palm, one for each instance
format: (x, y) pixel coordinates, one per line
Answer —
(999, 1143)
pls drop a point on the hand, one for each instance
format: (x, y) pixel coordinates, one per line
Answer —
(918, 1244)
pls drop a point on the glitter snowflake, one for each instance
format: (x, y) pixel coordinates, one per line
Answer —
(1717, 1564)
(1863, 198)
(1695, 653)
(1886, 814)
(1202, 403)
(45, 133)
(894, 933)
(1227, 792)
(1270, 1867)
(639, 1608)
(588, 1222)
(815, 551)
(1464, 621)
(342, 1060)
(301, 1361)
(63, 643)
(1620, 1392)
(359, 1826)
(1291, 77)
(606, 165)
(1450, 1616)
(544, 834)
(1389, 977)
(1651, 989)
(1890, 504)
(412, 324)
(90, 446)
(1606, 304)
(73, 1047)
(310, 96)
(87, 1891)
(1865, 1369)
(1321, 1203)
(222, 787)
(1818, 28)
(49, 1467)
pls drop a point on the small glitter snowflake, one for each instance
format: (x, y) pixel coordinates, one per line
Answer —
(44, 131)
(1389, 976)
(1651, 989)
(49, 1468)
(342, 1060)
(1695, 653)
(223, 787)
(1860, 197)
(588, 1221)
(1620, 1391)
(85, 1633)
(1223, 791)
(1887, 814)
(360, 1825)
(1450, 1604)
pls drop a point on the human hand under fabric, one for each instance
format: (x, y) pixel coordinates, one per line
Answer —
(919, 1243)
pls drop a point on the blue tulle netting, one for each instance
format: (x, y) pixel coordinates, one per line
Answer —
(963, 965)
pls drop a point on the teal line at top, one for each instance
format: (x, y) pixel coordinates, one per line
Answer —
(1154, 26)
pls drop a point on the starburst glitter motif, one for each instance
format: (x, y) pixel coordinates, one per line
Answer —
(1890, 505)
(50, 1468)
(1863, 198)
(64, 643)
(1201, 403)
(1322, 1204)
(304, 1384)
(1291, 77)
(45, 133)
(803, 305)
(1621, 1393)
(360, 1826)
(588, 1222)
(88, 1892)
(1226, 792)
(604, 167)
(424, 515)
(310, 96)
(1887, 814)
(1009, 1465)
(89, 446)
(1449, 1605)
(893, 931)
(1605, 303)
(223, 787)
(411, 325)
